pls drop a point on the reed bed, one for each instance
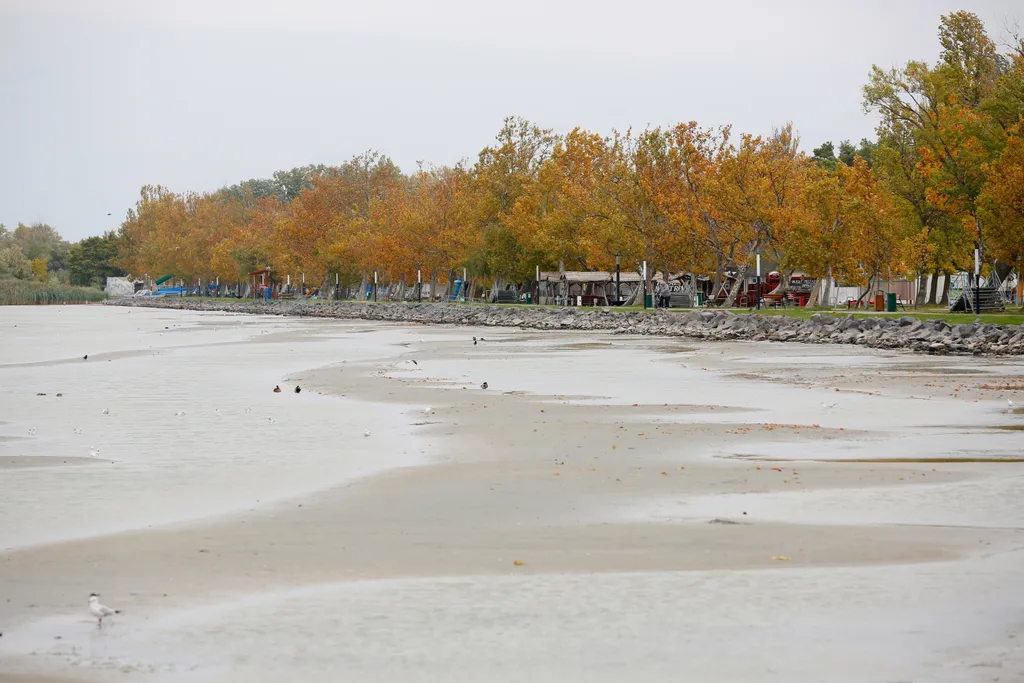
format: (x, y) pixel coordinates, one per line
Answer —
(21, 293)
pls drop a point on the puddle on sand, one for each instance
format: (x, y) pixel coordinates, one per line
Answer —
(759, 458)
(581, 346)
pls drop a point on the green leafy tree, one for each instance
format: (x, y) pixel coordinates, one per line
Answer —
(91, 261)
(825, 156)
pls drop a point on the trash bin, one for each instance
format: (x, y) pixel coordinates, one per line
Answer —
(879, 302)
(700, 299)
(890, 302)
(529, 298)
(649, 300)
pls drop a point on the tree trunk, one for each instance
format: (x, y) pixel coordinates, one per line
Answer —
(719, 267)
(944, 301)
(933, 287)
(564, 283)
(922, 287)
(741, 280)
(813, 299)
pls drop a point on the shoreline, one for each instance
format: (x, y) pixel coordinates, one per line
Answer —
(934, 337)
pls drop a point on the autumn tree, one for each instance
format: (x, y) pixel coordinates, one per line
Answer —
(502, 174)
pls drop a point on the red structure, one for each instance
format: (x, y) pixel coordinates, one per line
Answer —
(260, 282)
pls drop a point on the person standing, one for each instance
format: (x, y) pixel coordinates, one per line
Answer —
(661, 290)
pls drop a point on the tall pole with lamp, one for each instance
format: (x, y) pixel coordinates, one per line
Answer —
(759, 282)
(977, 281)
(644, 283)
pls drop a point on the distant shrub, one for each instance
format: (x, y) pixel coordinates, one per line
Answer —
(25, 293)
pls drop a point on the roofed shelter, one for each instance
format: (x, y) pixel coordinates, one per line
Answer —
(583, 287)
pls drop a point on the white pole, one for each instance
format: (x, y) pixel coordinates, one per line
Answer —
(289, 280)
(977, 262)
(759, 265)
(538, 273)
(375, 277)
(419, 277)
(335, 279)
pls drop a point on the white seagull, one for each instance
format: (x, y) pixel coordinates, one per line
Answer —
(427, 410)
(1009, 404)
(94, 452)
(99, 611)
(180, 413)
(366, 433)
(827, 405)
(105, 411)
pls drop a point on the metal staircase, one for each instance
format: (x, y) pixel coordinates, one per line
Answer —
(988, 298)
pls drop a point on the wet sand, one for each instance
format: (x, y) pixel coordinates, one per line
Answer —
(609, 509)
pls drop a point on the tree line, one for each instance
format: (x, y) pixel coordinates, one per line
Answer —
(38, 253)
(944, 176)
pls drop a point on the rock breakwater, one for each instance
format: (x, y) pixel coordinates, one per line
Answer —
(906, 332)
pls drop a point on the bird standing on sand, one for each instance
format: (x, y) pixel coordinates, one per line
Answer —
(427, 410)
(484, 385)
(99, 611)
(1009, 404)
(366, 433)
(827, 405)
(85, 357)
(94, 452)
(277, 389)
(474, 341)
(105, 411)
(298, 389)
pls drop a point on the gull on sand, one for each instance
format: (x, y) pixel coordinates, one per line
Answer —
(99, 611)
(827, 405)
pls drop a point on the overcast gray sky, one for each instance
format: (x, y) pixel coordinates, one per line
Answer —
(100, 97)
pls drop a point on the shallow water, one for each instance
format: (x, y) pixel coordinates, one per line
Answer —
(891, 623)
(162, 467)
